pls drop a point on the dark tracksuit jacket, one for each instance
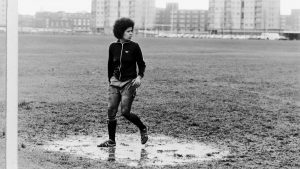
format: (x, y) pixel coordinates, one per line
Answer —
(123, 59)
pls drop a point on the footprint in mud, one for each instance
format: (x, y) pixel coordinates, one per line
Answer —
(190, 156)
(178, 155)
(124, 144)
(167, 151)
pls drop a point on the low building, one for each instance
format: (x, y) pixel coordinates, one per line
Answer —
(190, 21)
(181, 21)
(26, 21)
(79, 22)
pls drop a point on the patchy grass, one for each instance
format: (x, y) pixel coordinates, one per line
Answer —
(240, 94)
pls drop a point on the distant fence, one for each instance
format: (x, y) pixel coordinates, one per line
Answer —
(224, 34)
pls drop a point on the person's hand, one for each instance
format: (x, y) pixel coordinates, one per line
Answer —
(137, 82)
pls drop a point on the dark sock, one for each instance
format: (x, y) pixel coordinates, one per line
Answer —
(112, 125)
(135, 120)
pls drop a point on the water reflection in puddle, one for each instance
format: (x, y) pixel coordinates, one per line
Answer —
(160, 150)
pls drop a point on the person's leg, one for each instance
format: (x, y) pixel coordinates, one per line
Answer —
(114, 99)
(126, 102)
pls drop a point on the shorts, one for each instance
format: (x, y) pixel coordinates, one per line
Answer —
(123, 88)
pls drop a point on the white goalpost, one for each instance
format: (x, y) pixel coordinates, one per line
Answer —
(12, 85)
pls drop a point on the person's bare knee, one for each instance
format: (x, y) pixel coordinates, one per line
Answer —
(112, 111)
(125, 112)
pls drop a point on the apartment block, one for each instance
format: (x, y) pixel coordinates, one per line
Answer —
(106, 12)
(285, 22)
(290, 22)
(270, 14)
(2, 13)
(295, 20)
(244, 15)
(178, 20)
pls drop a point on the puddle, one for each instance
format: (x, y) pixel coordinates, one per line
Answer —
(159, 150)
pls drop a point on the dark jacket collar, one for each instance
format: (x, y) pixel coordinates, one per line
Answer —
(127, 41)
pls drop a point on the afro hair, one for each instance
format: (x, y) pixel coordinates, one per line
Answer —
(121, 25)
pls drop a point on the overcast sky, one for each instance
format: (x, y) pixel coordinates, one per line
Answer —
(32, 6)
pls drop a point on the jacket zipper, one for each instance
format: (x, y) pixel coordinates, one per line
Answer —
(121, 61)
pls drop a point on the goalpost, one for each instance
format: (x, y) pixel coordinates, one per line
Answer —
(12, 84)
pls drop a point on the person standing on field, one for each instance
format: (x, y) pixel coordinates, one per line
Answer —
(124, 58)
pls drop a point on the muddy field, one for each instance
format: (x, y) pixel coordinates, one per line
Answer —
(239, 95)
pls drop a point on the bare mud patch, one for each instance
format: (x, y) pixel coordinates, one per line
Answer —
(160, 150)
